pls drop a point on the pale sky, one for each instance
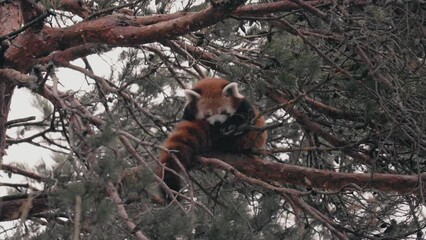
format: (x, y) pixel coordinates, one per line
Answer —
(22, 106)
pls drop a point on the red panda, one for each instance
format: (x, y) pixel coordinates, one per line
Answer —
(213, 113)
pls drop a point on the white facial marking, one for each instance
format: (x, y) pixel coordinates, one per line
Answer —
(217, 118)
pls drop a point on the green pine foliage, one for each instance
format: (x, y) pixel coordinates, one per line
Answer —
(384, 120)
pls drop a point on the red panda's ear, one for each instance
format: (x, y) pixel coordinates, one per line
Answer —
(232, 90)
(191, 95)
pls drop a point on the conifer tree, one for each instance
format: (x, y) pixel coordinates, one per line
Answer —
(341, 84)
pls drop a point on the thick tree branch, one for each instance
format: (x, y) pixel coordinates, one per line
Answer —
(17, 77)
(61, 58)
(123, 30)
(11, 20)
(324, 179)
(115, 30)
(253, 168)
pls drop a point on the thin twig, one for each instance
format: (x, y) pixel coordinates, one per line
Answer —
(19, 120)
(112, 192)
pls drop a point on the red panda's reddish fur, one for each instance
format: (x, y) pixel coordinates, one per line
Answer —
(208, 104)
(188, 139)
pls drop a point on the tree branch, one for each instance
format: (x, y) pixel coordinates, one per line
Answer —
(25, 173)
(17, 77)
(112, 192)
(331, 111)
(256, 171)
(324, 179)
(114, 30)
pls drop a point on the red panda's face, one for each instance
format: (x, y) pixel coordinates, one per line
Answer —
(215, 100)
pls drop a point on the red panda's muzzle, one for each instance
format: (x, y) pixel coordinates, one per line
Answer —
(217, 119)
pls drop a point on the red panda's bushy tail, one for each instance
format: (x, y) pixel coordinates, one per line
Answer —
(189, 138)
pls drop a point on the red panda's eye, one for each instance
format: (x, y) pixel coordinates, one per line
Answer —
(224, 112)
(207, 115)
